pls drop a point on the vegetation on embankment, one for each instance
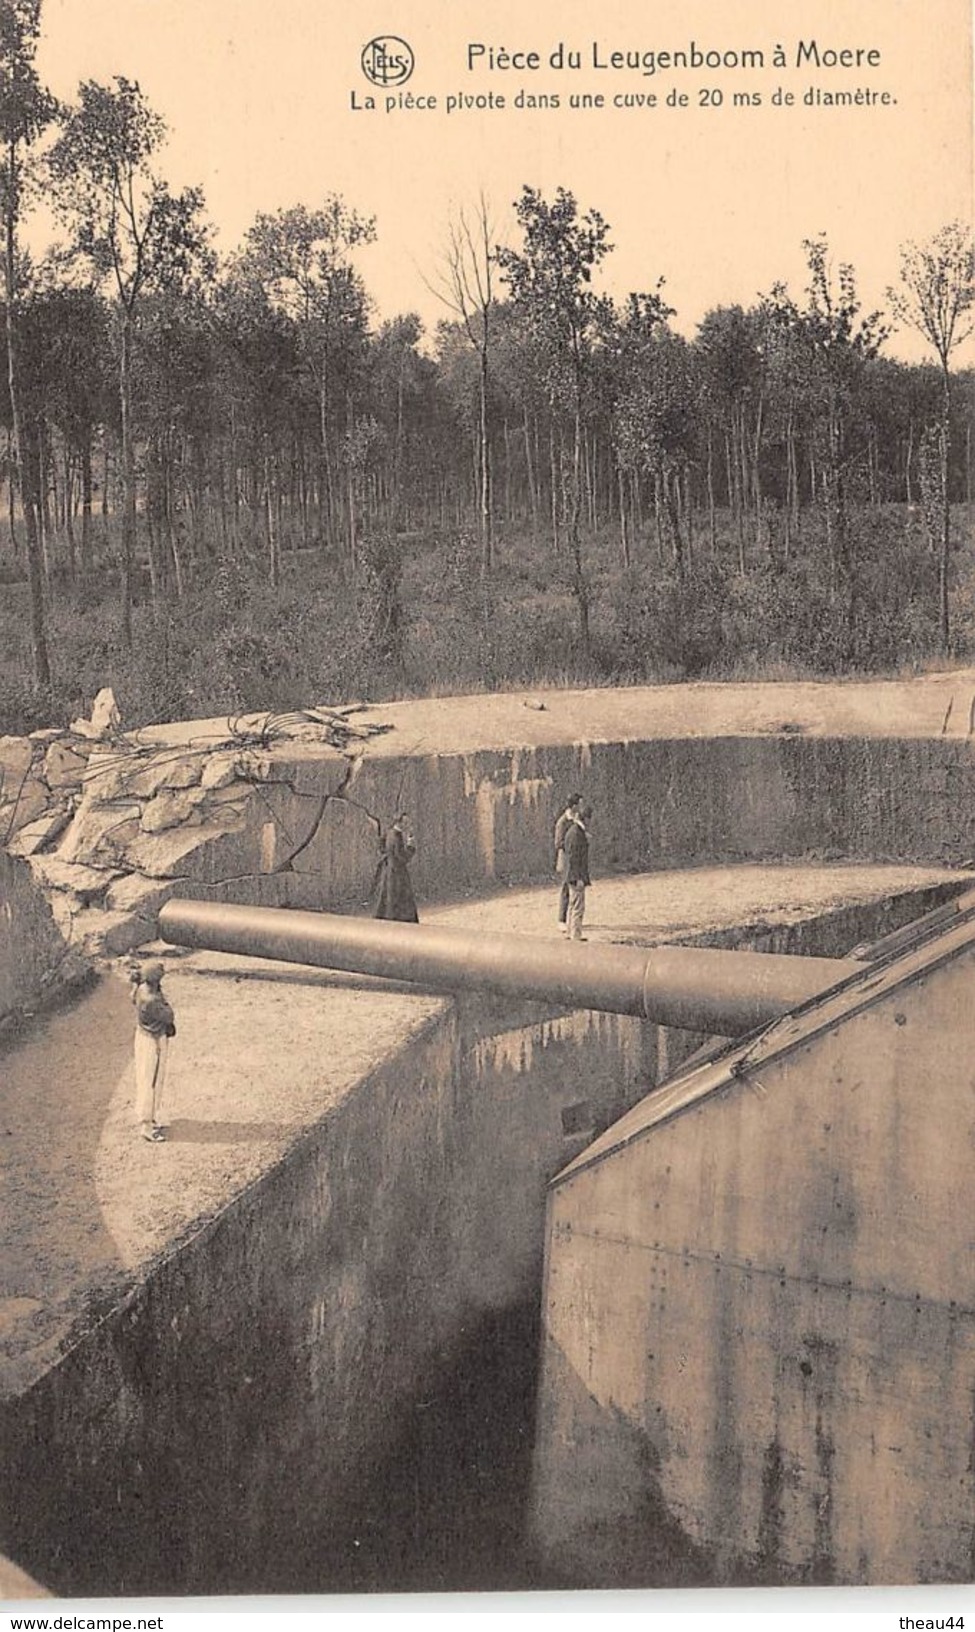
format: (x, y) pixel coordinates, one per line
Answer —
(423, 620)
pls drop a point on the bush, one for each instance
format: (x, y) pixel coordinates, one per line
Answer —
(419, 617)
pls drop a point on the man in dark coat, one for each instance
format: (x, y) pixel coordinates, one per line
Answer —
(577, 870)
(392, 892)
(572, 805)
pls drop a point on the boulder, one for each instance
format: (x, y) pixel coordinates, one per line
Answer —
(219, 771)
(172, 807)
(41, 833)
(137, 894)
(26, 801)
(105, 717)
(64, 766)
(138, 777)
(16, 754)
(99, 832)
(235, 793)
(85, 884)
(108, 934)
(189, 852)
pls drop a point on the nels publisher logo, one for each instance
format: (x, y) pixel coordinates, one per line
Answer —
(387, 60)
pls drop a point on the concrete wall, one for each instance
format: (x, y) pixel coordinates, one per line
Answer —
(35, 959)
(487, 818)
(212, 1429)
(290, 826)
(759, 1357)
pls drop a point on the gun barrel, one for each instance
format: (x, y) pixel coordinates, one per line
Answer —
(723, 993)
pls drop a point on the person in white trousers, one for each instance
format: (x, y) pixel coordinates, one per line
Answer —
(155, 1024)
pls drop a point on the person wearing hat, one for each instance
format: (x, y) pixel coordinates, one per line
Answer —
(155, 1023)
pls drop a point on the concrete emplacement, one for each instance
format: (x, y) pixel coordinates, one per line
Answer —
(217, 1397)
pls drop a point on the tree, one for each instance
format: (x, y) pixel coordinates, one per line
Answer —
(832, 344)
(69, 385)
(26, 109)
(259, 371)
(132, 231)
(466, 288)
(655, 426)
(937, 298)
(300, 258)
(550, 279)
(396, 380)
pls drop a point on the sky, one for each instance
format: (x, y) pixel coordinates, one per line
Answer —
(267, 106)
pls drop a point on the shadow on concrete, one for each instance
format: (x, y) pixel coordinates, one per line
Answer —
(447, 1510)
(57, 1081)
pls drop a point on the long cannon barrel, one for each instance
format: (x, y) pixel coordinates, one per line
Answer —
(699, 989)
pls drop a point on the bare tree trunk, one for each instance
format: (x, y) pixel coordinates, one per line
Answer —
(658, 517)
(555, 486)
(41, 662)
(86, 505)
(945, 562)
(530, 473)
(128, 478)
(712, 517)
(484, 472)
(757, 470)
(270, 526)
(11, 497)
(624, 531)
(41, 501)
(579, 585)
(741, 473)
(69, 490)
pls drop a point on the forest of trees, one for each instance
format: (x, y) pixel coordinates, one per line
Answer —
(229, 485)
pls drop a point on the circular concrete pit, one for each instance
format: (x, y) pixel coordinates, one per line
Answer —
(273, 1314)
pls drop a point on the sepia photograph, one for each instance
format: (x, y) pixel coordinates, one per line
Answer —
(487, 808)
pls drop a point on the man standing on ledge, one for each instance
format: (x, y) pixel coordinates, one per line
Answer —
(155, 1024)
(576, 871)
(568, 815)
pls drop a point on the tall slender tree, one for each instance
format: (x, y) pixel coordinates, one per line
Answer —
(302, 260)
(26, 109)
(466, 287)
(937, 298)
(133, 231)
(550, 279)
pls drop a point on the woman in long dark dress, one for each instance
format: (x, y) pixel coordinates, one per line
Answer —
(392, 892)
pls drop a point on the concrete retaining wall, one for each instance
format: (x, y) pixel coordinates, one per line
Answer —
(290, 825)
(759, 1353)
(487, 818)
(216, 1426)
(211, 1430)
